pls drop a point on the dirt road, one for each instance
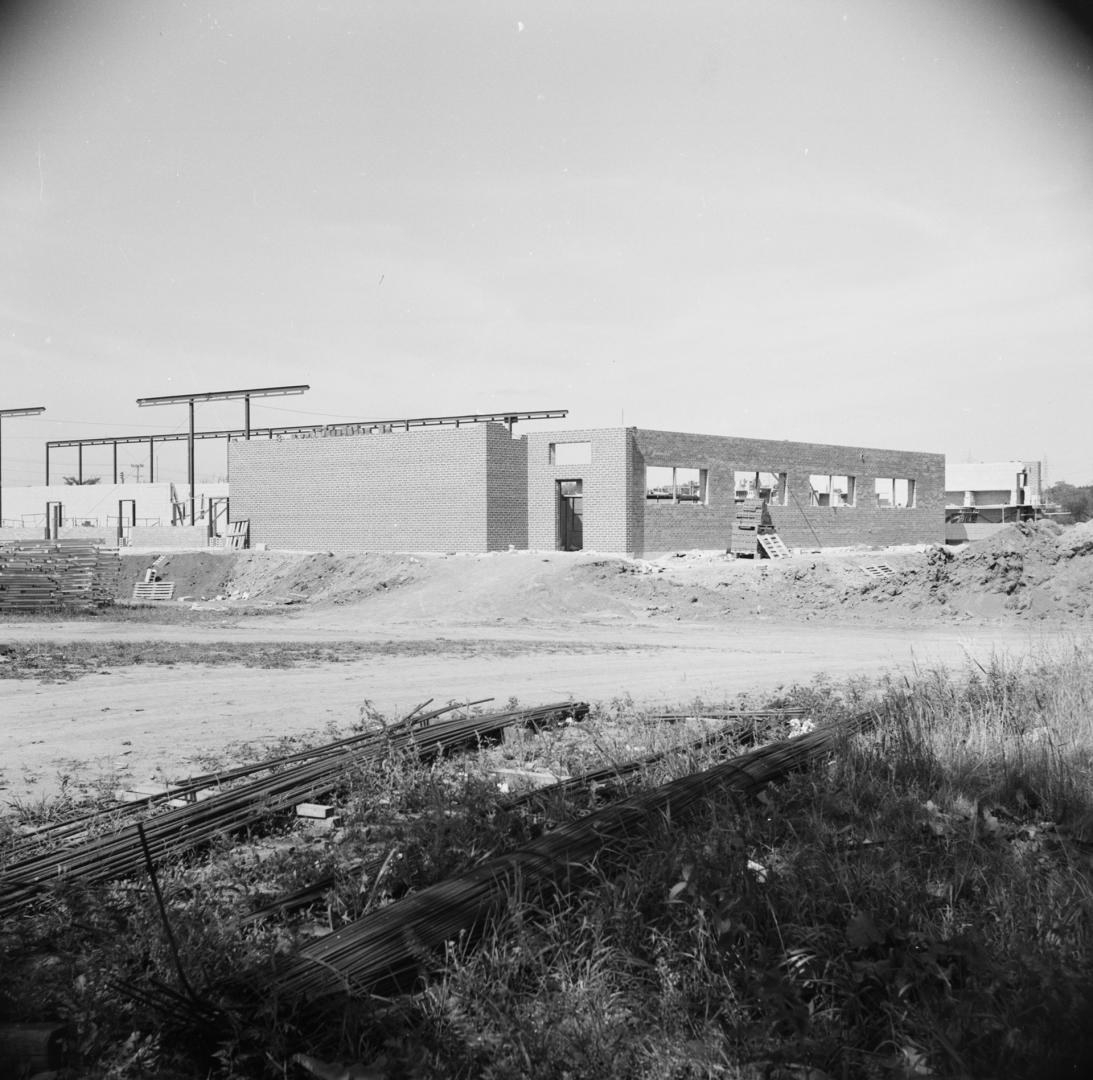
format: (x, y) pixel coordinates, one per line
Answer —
(537, 626)
(129, 724)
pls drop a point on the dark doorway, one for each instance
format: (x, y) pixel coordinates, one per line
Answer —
(571, 514)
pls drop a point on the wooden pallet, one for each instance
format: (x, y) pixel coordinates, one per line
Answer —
(773, 545)
(879, 570)
(238, 534)
(154, 590)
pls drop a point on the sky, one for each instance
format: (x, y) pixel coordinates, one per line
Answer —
(864, 222)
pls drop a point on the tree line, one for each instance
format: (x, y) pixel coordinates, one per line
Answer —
(1075, 500)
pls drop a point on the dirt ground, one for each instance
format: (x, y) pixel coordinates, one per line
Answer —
(535, 626)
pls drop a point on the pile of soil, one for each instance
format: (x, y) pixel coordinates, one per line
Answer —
(1036, 570)
(1039, 570)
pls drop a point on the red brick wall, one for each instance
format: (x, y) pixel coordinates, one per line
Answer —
(428, 489)
(666, 527)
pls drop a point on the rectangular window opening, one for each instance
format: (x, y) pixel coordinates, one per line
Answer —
(898, 492)
(571, 453)
(768, 487)
(833, 490)
(675, 484)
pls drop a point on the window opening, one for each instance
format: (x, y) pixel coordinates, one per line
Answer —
(755, 484)
(571, 453)
(690, 485)
(659, 482)
(831, 490)
(675, 483)
(897, 492)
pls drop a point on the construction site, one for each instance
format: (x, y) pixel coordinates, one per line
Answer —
(469, 484)
(280, 712)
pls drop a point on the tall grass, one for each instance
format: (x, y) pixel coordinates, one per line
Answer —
(922, 906)
(919, 904)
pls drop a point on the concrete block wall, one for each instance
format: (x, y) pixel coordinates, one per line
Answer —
(98, 503)
(667, 527)
(420, 490)
(607, 485)
(994, 483)
(186, 537)
(506, 489)
(18, 532)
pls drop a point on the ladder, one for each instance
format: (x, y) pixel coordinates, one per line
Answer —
(772, 544)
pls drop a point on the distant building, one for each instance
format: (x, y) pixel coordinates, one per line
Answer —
(982, 496)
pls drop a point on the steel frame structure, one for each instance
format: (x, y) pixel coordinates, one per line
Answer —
(402, 423)
(213, 395)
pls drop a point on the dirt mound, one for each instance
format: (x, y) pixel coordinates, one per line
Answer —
(1039, 570)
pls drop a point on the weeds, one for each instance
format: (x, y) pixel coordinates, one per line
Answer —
(921, 904)
(59, 661)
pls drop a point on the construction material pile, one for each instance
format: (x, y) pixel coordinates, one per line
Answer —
(389, 943)
(44, 575)
(286, 782)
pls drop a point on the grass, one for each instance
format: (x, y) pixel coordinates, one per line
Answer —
(65, 660)
(921, 904)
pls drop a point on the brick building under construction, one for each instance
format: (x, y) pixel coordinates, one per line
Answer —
(476, 488)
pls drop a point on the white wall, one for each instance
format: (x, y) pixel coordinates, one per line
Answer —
(98, 503)
(989, 479)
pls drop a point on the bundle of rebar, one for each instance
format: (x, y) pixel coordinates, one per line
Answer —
(606, 781)
(119, 854)
(79, 827)
(388, 944)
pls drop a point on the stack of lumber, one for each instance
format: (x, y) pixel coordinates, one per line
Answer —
(48, 574)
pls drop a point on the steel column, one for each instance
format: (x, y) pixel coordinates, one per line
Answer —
(190, 461)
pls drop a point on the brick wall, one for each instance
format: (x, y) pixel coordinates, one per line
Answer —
(607, 481)
(475, 488)
(666, 526)
(506, 489)
(427, 489)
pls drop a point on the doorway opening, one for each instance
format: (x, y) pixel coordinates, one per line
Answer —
(571, 514)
